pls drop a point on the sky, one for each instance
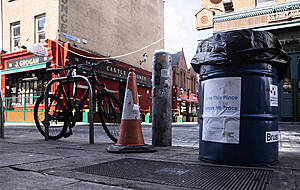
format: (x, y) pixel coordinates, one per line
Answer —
(180, 27)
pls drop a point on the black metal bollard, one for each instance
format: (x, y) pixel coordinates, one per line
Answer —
(162, 99)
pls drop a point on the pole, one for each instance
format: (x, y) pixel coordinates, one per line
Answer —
(162, 99)
(1, 115)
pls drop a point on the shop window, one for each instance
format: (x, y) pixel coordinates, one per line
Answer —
(287, 83)
(24, 88)
(174, 78)
(40, 28)
(184, 81)
(181, 79)
(15, 36)
(194, 85)
(298, 62)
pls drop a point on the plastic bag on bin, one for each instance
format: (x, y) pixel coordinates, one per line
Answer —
(241, 47)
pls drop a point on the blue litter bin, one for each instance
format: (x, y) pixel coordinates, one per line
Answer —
(238, 97)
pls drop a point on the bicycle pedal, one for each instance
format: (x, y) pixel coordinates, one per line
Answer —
(67, 134)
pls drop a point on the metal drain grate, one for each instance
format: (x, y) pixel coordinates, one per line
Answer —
(183, 175)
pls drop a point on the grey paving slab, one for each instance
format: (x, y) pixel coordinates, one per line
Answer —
(17, 180)
(8, 159)
(83, 186)
(51, 164)
(186, 157)
(285, 179)
(289, 160)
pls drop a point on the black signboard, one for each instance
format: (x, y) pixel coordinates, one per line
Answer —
(109, 68)
(28, 61)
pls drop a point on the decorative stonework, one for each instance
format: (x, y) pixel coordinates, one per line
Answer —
(204, 19)
(215, 1)
(257, 12)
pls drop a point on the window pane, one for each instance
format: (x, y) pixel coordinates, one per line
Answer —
(16, 30)
(41, 23)
(41, 37)
(14, 36)
(16, 43)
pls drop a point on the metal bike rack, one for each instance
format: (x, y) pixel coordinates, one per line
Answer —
(1, 115)
(91, 103)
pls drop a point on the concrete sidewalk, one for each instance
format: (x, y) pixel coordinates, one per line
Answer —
(32, 163)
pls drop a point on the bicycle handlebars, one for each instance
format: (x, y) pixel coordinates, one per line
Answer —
(79, 66)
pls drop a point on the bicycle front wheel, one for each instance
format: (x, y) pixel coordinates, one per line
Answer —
(110, 113)
(56, 116)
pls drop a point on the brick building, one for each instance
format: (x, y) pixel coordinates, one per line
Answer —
(105, 28)
(280, 17)
(185, 88)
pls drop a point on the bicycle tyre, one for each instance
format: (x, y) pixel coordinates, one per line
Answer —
(110, 119)
(55, 131)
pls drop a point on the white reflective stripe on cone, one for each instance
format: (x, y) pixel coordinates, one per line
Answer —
(131, 111)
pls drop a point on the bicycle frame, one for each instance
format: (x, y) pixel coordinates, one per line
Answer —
(91, 103)
(61, 92)
(65, 92)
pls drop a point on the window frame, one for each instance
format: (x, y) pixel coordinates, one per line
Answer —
(37, 32)
(13, 37)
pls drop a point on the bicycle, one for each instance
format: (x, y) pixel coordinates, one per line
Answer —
(66, 104)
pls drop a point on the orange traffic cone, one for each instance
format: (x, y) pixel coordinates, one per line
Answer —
(131, 138)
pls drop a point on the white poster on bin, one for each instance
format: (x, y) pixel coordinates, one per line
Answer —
(221, 110)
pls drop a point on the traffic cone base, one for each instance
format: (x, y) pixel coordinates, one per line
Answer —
(130, 149)
(131, 138)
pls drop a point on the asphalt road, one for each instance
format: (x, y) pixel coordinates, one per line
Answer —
(184, 134)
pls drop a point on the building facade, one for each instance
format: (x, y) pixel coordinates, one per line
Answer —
(127, 31)
(105, 27)
(280, 17)
(185, 89)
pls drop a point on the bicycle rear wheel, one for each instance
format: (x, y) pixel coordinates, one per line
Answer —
(110, 113)
(58, 121)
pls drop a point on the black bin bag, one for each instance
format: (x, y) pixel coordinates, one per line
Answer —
(241, 47)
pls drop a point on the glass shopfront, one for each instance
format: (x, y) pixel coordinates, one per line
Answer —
(289, 91)
(24, 87)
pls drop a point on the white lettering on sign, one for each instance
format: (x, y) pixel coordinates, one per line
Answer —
(292, 14)
(273, 95)
(272, 136)
(221, 110)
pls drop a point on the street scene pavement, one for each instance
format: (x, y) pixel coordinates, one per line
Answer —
(29, 162)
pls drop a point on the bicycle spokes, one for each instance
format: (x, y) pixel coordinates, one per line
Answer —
(55, 116)
(109, 109)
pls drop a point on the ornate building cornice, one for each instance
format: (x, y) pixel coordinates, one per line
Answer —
(257, 11)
